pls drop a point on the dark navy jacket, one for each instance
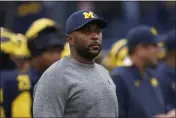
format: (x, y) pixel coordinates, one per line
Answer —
(137, 97)
(18, 91)
(167, 78)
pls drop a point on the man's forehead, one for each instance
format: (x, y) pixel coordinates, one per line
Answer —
(92, 25)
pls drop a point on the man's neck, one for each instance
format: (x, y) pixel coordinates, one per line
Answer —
(35, 66)
(24, 67)
(139, 64)
(81, 59)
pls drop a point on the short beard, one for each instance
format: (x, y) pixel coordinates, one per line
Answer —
(86, 54)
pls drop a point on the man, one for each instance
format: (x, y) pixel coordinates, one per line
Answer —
(5, 51)
(45, 45)
(15, 47)
(166, 71)
(138, 91)
(118, 55)
(76, 86)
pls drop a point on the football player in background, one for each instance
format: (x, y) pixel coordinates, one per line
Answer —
(14, 46)
(45, 46)
(116, 55)
(137, 88)
(166, 71)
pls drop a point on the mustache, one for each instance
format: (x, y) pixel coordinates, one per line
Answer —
(94, 44)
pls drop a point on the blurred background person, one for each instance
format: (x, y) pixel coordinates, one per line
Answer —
(137, 88)
(116, 56)
(45, 46)
(16, 48)
(166, 71)
(45, 43)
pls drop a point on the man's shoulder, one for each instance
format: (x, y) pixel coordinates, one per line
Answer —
(8, 75)
(8, 72)
(101, 67)
(59, 64)
(54, 74)
(120, 70)
(161, 68)
(57, 69)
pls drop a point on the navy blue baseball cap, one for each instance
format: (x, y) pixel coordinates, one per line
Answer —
(81, 18)
(170, 40)
(143, 35)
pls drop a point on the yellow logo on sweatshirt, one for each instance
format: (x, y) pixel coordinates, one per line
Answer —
(154, 82)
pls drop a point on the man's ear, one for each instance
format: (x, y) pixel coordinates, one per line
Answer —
(70, 40)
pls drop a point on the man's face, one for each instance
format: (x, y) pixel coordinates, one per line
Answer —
(87, 41)
(47, 58)
(171, 55)
(149, 54)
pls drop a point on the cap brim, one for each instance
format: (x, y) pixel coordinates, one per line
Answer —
(159, 38)
(100, 22)
(155, 40)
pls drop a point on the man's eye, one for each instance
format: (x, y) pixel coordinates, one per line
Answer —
(98, 30)
(86, 32)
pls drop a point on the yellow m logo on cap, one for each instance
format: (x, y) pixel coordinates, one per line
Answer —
(154, 31)
(88, 15)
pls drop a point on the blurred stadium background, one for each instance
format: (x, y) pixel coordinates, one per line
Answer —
(17, 16)
(122, 15)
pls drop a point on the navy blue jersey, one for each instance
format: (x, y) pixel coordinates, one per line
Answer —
(167, 78)
(138, 97)
(17, 93)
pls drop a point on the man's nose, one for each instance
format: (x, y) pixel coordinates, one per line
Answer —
(95, 36)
